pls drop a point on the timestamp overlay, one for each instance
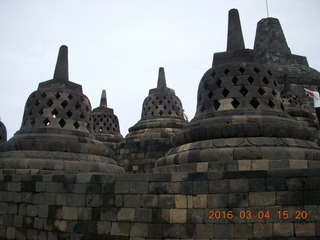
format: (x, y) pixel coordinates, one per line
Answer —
(257, 215)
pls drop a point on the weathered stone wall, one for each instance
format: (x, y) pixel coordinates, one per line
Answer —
(245, 205)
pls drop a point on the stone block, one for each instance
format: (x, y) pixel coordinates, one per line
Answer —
(312, 197)
(244, 165)
(109, 214)
(200, 187)
(126, 214)
(171, 230)
(122, 187)
(217, 200)
(223, 231)
(173, 187)
(11, 233)
(204, 231)
(262, 198)
(120, 229)
(257, 185)
(103, 228)
(157, 187)
(76, 200)
(276, 184)
(262, 230)
(139, 187)
(260, 164)
(298, 164)
(143, 215)
(219, 186)
(238, 200)
(186, 187)
(139, 230)
(195, 215)
(243, 231)
(149, 201)
(239, 185)
(69, 213)
(200, 201)
(283, 229)
(93, 200)
(84, 213)
(155, 231)
(109, 200)
(131, 201)
(181, 201)
(178, 215)
(285, 198)
(61, 225)
(314, 183)
(166, 201)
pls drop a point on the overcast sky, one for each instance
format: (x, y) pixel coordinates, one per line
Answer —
(119, 45)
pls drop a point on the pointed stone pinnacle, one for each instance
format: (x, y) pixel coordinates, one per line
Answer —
(161, 79)
(103, 101)
(61, 71)
(235, 37)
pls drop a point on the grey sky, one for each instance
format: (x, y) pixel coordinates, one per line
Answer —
(118, 45)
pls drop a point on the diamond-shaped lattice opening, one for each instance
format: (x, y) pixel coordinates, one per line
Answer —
(161, 112)
(76, 125)
(33, 122)
(164, 97)
(243, 91)
(64, 104)
(254, 103)
(218, 82)
(169, 112)
(37, 103)
(43, 95)
(265, 80)
(156, 107)
(46, 122)
(58, 95)
(100, 129)
(270, 74)
(210, 94)
(62, 122)
(160, 102)
(88, 126)
(152, 113)
(153, 102)
(213, 74)
(235, 80)
(165, 107)
(168, 101)
(54, 113)
(257, 70)
(87, 109)
(282, 107)
(226, 71)
(30, 112)
(274, 93)
(275, 83)
(205, 85)
(241, 70)
(261, 91)
(33, 95)
(250, 79)
(40, 112)
(225, 92)
(216, 104)
(77, 106)
(69, 114)
(49, 103)
(202, 108)
(271, 104)
(235, 103)
(82, 116)
(70, 96)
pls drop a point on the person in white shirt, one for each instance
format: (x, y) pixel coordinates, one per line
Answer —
(316, 100)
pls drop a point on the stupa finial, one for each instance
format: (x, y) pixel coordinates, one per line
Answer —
(61, 71)
(103, 101)
(235, 37)
(161, 79)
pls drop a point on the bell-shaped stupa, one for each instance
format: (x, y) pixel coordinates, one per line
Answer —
(106, 124)
(240, 121)
(3, 132)
(162, 116)
(56, 133)
(271, 50)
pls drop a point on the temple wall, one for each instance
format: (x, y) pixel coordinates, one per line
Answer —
(245, 205)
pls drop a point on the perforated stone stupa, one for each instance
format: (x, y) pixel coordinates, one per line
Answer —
(106, 124)
(3, 132)
(56, 133)
(240, 122)
(271, 49)
(162, 116)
